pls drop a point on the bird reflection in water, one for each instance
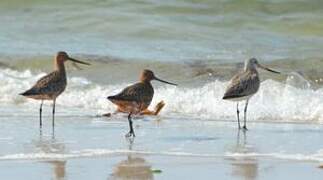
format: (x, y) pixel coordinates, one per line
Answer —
(245, 167)
(134, 168)
(49, 145)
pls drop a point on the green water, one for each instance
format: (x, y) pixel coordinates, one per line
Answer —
(155, 30)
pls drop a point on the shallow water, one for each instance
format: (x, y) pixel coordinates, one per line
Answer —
(85, 147)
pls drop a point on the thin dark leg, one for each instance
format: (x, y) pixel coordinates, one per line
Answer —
(40, 113)
(131, 132)
(238, 115)
(53, 121)
(245, 115)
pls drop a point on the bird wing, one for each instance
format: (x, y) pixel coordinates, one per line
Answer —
(51, 83)
(138, 92)
(50, 78)
(242, 84)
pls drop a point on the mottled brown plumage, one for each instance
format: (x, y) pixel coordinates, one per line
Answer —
(244, 85)
(52, 85)
(136, 98)
(48, 87)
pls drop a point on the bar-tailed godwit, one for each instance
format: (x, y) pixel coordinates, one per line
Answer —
(136, 98)
(52, 85)
(244, 85)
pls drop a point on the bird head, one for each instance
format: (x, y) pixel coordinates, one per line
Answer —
(148, 75)
(62, 57)
(253, 64)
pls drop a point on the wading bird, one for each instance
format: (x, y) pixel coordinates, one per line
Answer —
(52, 85)
(136, 98)
(244, 85)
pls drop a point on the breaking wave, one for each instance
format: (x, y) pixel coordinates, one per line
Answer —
(291, 100)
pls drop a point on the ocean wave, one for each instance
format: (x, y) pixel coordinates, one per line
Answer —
(292, 100)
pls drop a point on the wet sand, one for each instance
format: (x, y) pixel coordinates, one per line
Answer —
(141, 167)
(165, 148)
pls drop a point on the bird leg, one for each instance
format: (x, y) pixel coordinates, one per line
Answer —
(40, 113)
(158, 108)
(120, 109)
(110, 114)
(245, 115)
(147, 112)
(107, 114)
(238, 115)
(131, 132)
(53, 121)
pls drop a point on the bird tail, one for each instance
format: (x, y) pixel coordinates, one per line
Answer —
(231, 96)
(225, 97)
(111, 98)
(29, 92)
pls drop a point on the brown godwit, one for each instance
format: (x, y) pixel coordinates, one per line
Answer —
(244, 85)
(136, 98)
(52, 85)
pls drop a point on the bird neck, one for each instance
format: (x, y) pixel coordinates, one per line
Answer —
(59, 66)
(250, 67)
(251, 70)
(145, 81)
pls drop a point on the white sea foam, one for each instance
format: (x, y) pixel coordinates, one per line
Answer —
(90, 153)
(275, 101)
(317, 157)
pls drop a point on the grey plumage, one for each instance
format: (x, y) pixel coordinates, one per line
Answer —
(244, 85)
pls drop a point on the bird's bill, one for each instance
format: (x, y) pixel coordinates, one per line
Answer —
(78, 61)
(267, 69)
(160, 80)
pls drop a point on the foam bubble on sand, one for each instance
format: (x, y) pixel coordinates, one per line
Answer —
(275, 101)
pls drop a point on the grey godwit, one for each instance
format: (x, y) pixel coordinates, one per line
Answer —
(244, 85)
(52, 85)
(136, 98)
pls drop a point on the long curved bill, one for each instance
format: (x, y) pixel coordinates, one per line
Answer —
(78, 61)
(267, 69)
(160, 80)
